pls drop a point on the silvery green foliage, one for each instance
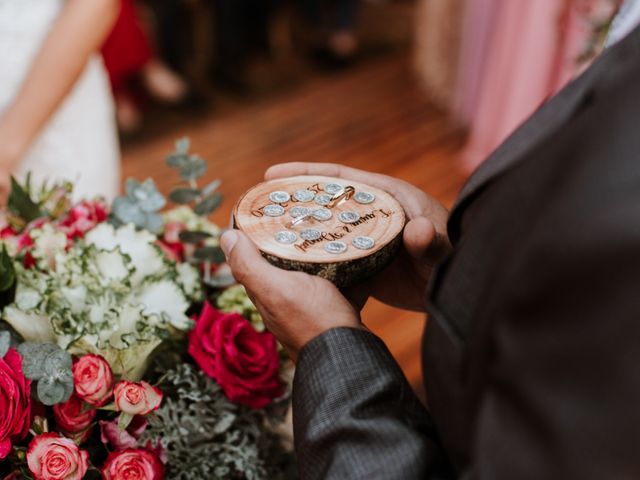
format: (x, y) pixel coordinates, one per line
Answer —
(5, 343)
(139, 205)
(50, 366)
(191, 167)
(207, 436)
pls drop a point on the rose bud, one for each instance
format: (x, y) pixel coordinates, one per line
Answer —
(74, 418)
(52, 457)
(136, 398)
(138, 464)
(93, 379)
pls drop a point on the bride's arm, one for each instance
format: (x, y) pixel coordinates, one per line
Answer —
(77, 33)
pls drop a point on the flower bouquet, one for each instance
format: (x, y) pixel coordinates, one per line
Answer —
(126, 352)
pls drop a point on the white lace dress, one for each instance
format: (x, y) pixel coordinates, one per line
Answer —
(79, 142)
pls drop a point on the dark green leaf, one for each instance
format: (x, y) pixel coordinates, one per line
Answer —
(177, 160)
(7, 271)
(21, 203)
(193, 237)
(221, 281)
(209, 254)
(208, 205)
(184, 195)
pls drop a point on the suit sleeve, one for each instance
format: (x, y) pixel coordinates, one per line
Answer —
(356, 416)
(561, 369)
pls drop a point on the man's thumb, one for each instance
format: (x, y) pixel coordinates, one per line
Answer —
(247, 264)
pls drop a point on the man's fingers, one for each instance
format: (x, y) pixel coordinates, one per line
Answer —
(247, 264)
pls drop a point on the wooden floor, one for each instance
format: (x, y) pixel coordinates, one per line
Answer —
(372, 117)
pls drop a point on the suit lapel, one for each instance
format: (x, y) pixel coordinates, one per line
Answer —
(544, 122)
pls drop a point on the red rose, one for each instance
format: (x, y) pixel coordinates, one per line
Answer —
(74, 418)
(136, 398)
(15, 405)
(93, 379)
(133, 465)
(243, 361)
(82, 218)
(52, 457)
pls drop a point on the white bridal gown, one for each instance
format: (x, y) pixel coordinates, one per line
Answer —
(79, 142)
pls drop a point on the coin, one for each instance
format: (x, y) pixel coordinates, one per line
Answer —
(336, 247)
(364, 197)
(286, 237)
(333, 188)
(310, 234)
(323, 199)
(279, 196)
(273, 210)
(363, 243)
(348, 216)
(322, 214)
(304, 195)
(296, 212)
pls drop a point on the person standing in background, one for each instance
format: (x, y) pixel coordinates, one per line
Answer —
(56, 110)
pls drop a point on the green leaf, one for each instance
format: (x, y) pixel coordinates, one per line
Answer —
(221, 281)
(153, 223)
(21, 203)
(177, 160)
(52, 391)
(5, 343)
(184, 195)
(212, 187)
(7, 270)
(193, 169)
(183, 145)
(210, 254)
(124, 420)
(34, 356)
(208, 205)
(188, 236)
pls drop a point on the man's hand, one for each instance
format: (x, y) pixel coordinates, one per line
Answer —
(403, 283)
(295, 306)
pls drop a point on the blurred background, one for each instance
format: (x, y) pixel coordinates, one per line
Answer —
(422, 90)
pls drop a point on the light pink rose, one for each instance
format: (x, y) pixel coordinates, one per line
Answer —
(136, 398)
(93, 379)
(133, 465)
(52, 457)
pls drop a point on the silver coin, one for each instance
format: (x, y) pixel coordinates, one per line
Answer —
(323, 199)
(286, 237)
(304, 195)
(279, 196)
(364, 197)
(363, 243)
(310, 234)
(348, 216)
(322, 214)
(333, 188)
(296, 212)
(336, 247)
(273, 210)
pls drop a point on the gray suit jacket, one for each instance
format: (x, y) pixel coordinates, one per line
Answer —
(532, 351)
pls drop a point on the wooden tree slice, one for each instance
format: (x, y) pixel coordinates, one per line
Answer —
(370, 229)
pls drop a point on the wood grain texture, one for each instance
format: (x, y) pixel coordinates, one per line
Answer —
(374, 117)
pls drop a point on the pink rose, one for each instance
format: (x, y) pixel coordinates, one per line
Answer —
(15, 404)
(52, 457)
(136, 398)
(133, 465)
(119, 439)
(83, 217)
(243, 361)
(93, 379)
(74, 418)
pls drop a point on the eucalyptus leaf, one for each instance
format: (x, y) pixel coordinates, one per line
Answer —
(5, 343)
(154, 223)
(128, 211)
(184, 195)
(58, 364)
(193, 169)
(183, 145)
(210, 254)
(52, 391)
(148, 197)
(34, 357)
(130, 186)
(189, 236)
(212, 187)
(208, 205)
(21, 204)
(221, 281)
